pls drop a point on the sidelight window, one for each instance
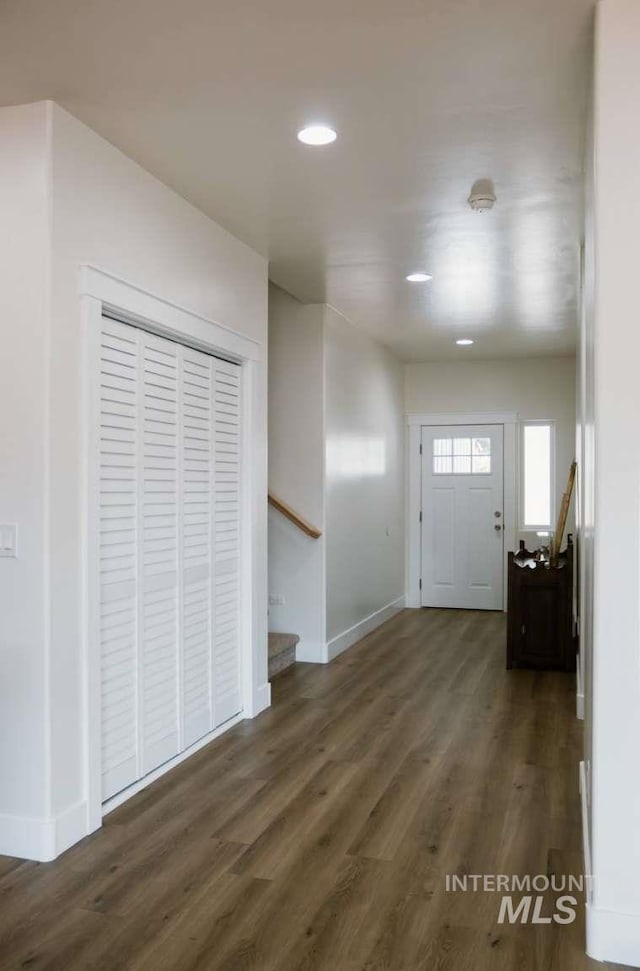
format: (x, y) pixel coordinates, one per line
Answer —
(537, 475)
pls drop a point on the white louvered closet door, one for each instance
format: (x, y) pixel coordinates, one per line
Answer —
(169, 549)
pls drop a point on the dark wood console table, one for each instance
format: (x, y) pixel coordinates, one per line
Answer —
(539, 619)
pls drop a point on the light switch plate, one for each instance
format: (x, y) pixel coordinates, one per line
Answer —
(8, 539)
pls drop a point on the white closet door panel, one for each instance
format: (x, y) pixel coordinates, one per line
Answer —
(169, 549)
(158, 602)
(117, 553)
(226, 530)
(196, 524)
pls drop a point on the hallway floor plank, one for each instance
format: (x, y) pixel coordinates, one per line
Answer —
(319, 835)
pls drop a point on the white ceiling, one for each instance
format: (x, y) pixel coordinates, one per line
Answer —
(427, 96)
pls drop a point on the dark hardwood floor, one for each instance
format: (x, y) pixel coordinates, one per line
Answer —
(318, 836)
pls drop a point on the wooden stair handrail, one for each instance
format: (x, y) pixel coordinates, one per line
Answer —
(293, 516)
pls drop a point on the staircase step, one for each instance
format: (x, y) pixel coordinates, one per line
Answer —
(282, 652)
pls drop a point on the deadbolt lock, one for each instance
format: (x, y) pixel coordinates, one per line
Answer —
(497, 514)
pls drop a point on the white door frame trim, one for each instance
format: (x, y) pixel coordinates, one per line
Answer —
(102, 291)
(415, 421)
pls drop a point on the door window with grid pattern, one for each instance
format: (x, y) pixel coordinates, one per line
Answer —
(462, 456)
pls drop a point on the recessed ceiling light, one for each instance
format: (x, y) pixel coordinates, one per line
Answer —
(464, 341)
(419, 278)
(317, 135)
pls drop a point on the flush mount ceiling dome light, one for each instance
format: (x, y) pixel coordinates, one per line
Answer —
(317, 135)
(419, 278)
(464, 341)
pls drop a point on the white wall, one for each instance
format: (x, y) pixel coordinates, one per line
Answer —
(335, 456)
(109, 212)
(613, 919)
(104, 210)
(364, 479)
(296, 469)
(23, 465)
(586, 484)
(536, 388)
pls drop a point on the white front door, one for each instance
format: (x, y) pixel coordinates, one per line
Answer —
(462, 516)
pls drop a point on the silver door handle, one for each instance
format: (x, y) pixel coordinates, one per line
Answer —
(498, 528)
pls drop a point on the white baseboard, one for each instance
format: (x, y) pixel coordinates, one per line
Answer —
(312, 652)
(579, 691)
(42, 839)
(70, 826)
(349, 637)
(613, 936)
(260, 701)
(586, 844)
